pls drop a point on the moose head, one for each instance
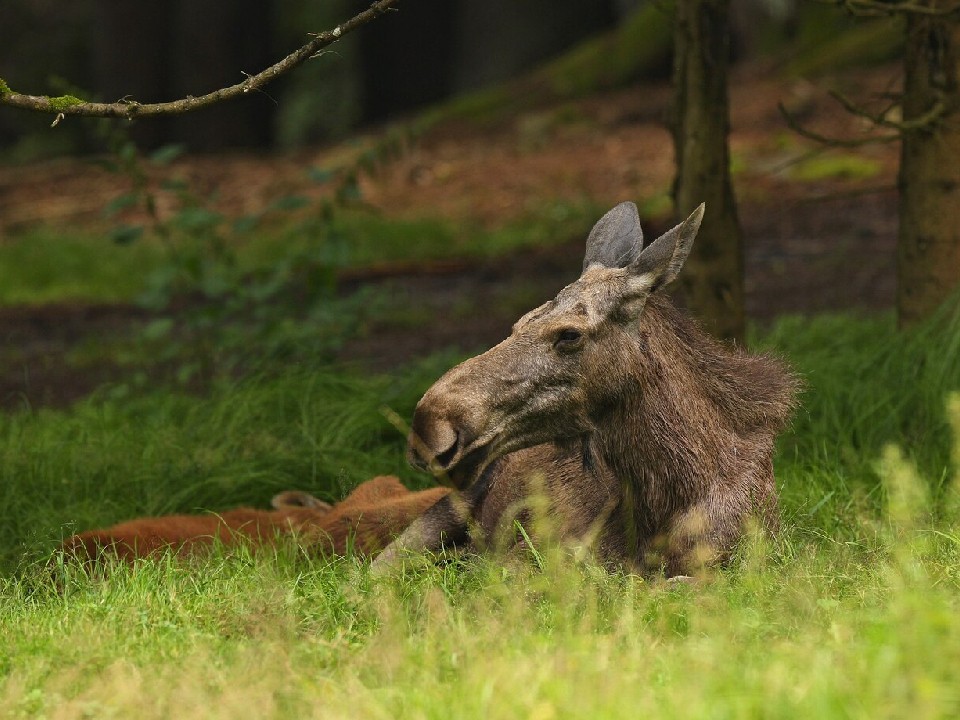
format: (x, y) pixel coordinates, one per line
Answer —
(565, 366)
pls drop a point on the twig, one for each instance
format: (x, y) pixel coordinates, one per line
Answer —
(929, 118)
(847, 194)
(69, 105)
(795, 125)
(874, 8)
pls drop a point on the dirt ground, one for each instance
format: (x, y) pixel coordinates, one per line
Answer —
(815, 241)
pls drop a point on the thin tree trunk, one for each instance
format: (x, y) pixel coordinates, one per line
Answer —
(713, 277)
(928, 251)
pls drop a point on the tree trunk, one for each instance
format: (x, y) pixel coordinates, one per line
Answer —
(928, 252)
(712, 281)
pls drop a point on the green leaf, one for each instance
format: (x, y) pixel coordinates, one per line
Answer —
(158, 329)
(245, 224)
(127, 152)
(126, 234)
(320, 175)
(195, 219)
(120, 203)
(167, 154)
(349, 192)
(174, 184)
(289, 202)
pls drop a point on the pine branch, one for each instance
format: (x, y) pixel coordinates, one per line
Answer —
(125, 108)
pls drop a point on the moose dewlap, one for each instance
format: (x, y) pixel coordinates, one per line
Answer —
(648, 438)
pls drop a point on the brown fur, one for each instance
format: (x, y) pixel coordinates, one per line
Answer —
(645, 436)
(366, 521)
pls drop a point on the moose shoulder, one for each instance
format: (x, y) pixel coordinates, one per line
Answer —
(647, 436)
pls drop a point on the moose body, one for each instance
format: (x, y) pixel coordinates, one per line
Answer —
(647, 438)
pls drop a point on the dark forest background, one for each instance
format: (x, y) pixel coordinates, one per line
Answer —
(153, 51)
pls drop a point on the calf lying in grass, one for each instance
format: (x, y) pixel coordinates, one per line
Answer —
(365, 521)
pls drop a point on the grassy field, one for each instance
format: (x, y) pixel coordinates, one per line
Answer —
(46, 264)
(851, 612)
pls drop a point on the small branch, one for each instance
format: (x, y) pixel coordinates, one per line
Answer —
(795, 125)
(847, 194)
(925, 121)
(874, 8)
(69, 105)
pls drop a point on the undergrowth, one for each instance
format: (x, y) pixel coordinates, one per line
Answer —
(850, 611)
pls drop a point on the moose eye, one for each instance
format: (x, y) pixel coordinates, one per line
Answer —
(568, 339)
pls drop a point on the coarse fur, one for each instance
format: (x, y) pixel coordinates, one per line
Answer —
(644, 436)
(365, 522)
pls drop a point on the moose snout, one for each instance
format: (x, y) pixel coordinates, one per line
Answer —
(435, 443)
(450, 433)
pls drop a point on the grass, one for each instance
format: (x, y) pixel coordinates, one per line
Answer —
(812, 631)
(45, 265)
(851, 612)
(49, 265)
(110, 458)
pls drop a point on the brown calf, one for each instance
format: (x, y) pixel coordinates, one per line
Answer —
(366, 521)
(648, 437)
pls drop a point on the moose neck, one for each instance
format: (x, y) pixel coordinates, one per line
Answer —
(693, 413)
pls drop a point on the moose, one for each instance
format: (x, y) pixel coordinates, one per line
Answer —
(364, 522)
(646, 437)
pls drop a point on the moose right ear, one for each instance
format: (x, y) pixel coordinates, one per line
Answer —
(616, 239)
(661, 260)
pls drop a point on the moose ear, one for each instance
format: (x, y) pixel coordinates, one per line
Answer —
(616, 239)
(661, 260)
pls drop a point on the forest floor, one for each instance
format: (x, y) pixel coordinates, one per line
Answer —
(820, 223)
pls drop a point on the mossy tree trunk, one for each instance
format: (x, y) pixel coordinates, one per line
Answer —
(928, 252)
(712, 281)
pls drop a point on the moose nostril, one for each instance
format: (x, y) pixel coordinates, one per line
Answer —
(446, 457)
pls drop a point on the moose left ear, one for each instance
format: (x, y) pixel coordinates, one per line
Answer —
(660, 262)
(616, 239)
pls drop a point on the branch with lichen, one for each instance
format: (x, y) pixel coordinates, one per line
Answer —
(70, 105)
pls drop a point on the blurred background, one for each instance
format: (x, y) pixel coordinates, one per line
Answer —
(450, 154)
(154, 51)
(212, 307)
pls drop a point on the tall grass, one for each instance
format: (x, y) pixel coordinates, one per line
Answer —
(812, 632)
(867, 385)
(851, 612)
(46, 265)
(108, 459)
(63, 264)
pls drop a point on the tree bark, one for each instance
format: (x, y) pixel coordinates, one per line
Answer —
(712, 281)
(928, 250)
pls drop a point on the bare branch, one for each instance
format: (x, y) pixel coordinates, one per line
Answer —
(881, 119)
(795, 125)
(834, 195)
(874, 8)
(69, 105)
(927, 120)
